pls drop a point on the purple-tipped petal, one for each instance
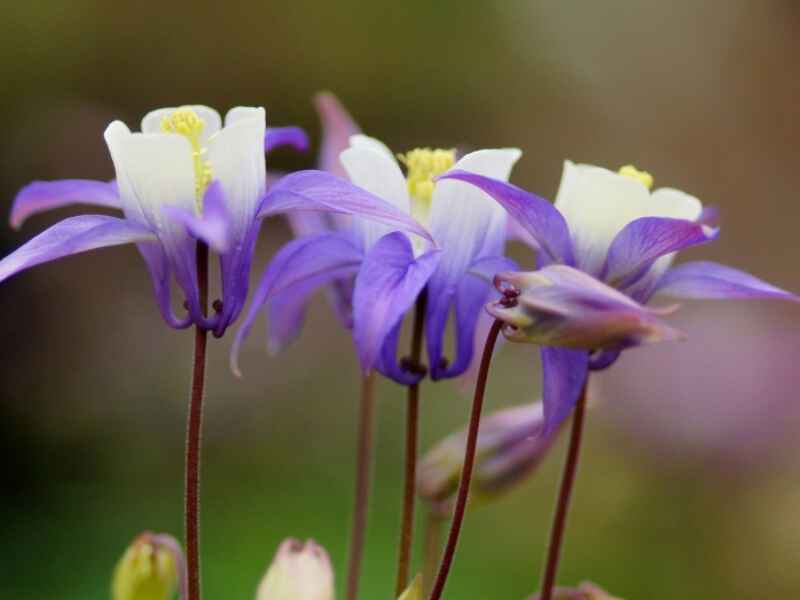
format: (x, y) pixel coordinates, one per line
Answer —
(709, 280)
(214, 226)
(337, 127)
(486, 268)
(72, 236)
(300, 266)
(645, 240)
(160, 273)
(564, 372)
(40, 196)
(320, 191)
(536, 215)
(285, 136)
(387, 285)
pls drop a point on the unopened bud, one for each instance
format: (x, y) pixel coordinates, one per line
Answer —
(413, 591)
(585, 591)
(561, 306)
(298, 572)
(510, 445)
(150, 569)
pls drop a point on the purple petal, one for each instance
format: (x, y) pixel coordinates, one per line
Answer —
(564, 372)
(709, 216)
(645, 240)
(299, 266)
(387, 285)
(486, 268)
(709, 280)
(534, 214)
(40, 196)
(160, 272)
(72, 236)
(337, 127)
(285, 136)
(214, 226)
(320, 191)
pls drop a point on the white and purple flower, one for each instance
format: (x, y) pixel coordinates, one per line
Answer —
(604, 249)
(185, 178)
(377, 272)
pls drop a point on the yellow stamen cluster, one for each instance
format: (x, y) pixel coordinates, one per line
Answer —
(634, 173)
(423, 165)
(186, 122)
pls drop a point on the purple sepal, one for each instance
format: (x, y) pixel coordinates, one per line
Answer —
(40, 196)
(387, 285)
(297, 268)
(564, 373)
(534, 214)
(214, 226)
(72, 236)
(320, 191)
(285, 136)
(486, 268)
(603, 359)
(645, 240)
(337, 127)
(709, 280)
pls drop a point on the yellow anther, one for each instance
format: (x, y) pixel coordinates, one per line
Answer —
(634, 173)
(186, 122)
(423, 165)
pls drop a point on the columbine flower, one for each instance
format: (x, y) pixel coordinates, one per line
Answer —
(185, 178)
(298, 572)
(386, 269)
(585, 591)
(622, 237)
(510, 445)
(152, 568)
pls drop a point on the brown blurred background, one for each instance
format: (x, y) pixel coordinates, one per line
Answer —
(690, 487)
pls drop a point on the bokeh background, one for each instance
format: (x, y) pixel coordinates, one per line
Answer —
(690, 485)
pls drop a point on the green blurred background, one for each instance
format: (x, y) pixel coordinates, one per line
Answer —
(690, 486)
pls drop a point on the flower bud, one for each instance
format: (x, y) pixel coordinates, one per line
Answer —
(413, 591)
(149, 569)
(585, 591)
(510, 445)
(561, 306)
(298, 572)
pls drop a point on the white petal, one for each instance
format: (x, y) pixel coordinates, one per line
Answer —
(359, 140)
(157, 170)
(597, 204)
(239, 113)
(151, 123)
(464, 220)
(236, 155)
(376, 171)
(669, 202)
(116, 134)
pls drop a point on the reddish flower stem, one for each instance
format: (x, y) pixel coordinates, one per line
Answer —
(564, 495)
(363, 472)
(469, 463)
(193, 435)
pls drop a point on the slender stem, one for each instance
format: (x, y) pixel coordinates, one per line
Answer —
(193, 437)
(412, 431)
(564, 494)
(363, 471)
(469, 463)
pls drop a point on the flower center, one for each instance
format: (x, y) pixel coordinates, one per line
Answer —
(186, 122)
(634, 173)
(423, 165)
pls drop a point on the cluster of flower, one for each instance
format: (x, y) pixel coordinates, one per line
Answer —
(387, 236)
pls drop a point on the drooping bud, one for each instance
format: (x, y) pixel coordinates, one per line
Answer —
(585, 591)
(562, 306)
(298, 572)
(413, 591)
(510, 446)
(151, 569)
